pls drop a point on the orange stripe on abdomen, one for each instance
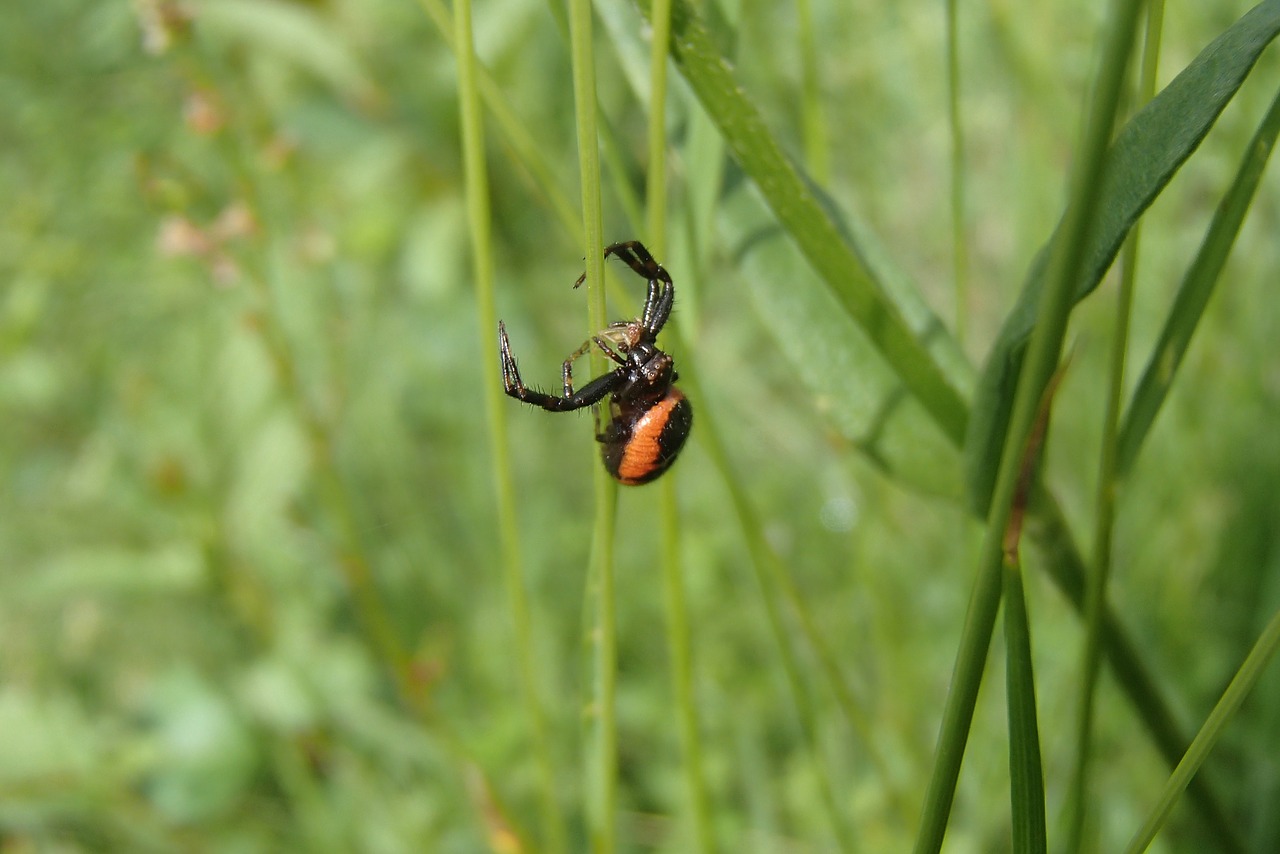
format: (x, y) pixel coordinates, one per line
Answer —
(643, 449)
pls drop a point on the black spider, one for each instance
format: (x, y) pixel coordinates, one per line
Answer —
(649, 418)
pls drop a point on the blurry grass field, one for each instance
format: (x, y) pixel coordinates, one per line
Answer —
(253, 593)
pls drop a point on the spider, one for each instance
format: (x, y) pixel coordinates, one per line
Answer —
(649, 418)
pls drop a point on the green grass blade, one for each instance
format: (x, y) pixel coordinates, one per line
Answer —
(817, 153)
(1026, 774)
(602, 786)
(1040, 365)
(1243, 682)
(672, 566)
(955, 124)
(1050, 532)
(527, 151)
(477, 192)
(800, 210)
(1194, 293)
(1108, 485)
(1143, 158)
(1048, 529)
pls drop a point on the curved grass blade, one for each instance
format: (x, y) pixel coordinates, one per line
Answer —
(1193, 295)
(1142, 160)
(294, 32)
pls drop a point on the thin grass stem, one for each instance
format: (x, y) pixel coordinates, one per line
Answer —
(959, 243)
(672, 565)
(603, 778)
(764, 565)
(1194, 292)
(1241, 685)
(817, 153)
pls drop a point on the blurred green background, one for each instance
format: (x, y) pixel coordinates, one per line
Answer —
(246, 476)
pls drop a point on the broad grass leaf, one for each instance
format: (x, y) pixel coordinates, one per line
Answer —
(834, 359)
(1144, 157)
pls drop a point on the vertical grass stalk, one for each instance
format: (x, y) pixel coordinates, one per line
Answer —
(1108, 483)
(959, 246)
(1042, 359)
(602, 785)
(817, 154)
(672, 567)
(477, 192)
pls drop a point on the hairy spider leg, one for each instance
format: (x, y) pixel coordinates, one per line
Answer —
(661, 296)
(593, 392)
(605, 347)
(657, 305)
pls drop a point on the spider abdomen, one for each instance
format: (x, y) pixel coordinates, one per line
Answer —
(643, 439)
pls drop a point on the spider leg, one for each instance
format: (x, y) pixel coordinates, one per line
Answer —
(661, 296)
(657, 309)
(593, 392)
(566, 370)
(658, 302)
(633, 253)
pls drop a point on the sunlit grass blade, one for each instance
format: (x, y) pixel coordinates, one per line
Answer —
(817, 153)
(1026, 774)
(833, 359)
(1040, 365)
(1144, 157)
(1194, 293)
(515, 133)
(602, 777)
(1241, 685)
